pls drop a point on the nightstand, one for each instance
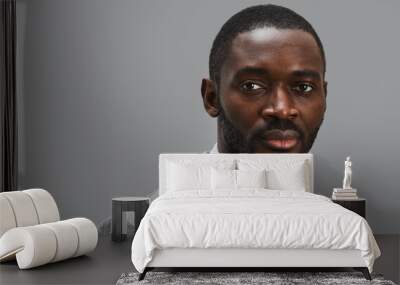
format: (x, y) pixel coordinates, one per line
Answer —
(123, 210)
(357, 206)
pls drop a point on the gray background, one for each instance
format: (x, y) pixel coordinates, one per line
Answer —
(105, 86)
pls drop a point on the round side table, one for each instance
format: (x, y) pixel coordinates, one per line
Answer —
(124, 208)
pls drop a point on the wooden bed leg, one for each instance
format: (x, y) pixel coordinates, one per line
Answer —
(142, 275)
(364, 271)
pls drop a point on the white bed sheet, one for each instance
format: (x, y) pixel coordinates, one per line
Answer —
(250, 218)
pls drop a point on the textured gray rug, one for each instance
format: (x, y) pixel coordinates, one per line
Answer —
(275, 278)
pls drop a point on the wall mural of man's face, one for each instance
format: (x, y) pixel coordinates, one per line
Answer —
(271, 95)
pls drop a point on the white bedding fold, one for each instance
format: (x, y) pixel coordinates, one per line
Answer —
(251, 218)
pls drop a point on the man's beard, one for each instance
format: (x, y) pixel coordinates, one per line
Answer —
(235, 142)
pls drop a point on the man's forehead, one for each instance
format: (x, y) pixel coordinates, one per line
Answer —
(268, 46)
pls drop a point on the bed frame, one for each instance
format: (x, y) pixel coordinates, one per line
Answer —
(248, 259)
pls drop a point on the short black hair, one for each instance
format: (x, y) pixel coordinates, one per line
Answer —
(250, 19)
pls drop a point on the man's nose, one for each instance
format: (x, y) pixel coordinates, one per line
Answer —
(280, 104)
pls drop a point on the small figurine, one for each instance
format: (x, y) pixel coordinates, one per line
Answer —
(347, 174)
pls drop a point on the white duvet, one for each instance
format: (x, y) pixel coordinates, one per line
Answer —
(252, 218)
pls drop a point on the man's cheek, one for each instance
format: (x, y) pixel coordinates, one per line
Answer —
(310, 125)
(244, 121)
(236, 114)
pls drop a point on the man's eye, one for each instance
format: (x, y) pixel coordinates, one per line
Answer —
(250, 86)
(303, 88)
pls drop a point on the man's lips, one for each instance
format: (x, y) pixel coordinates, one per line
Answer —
(281, 140)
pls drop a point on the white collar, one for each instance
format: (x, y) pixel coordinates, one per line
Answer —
(214, 149)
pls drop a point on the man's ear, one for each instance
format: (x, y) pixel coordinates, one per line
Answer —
(210, 97)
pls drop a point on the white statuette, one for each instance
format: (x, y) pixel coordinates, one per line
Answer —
(347, 174)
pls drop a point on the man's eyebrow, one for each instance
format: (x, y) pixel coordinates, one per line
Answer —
(307, 73)
(250, 70)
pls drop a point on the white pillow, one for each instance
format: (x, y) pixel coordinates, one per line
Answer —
(251, 178)
(223, 179)
(183, 174)
(237, 179)
(288, 178)
(185, 177)
(284, 174)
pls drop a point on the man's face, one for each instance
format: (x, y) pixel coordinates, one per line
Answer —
(271, 94)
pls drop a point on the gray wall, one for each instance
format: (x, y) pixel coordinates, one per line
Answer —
(105, 86)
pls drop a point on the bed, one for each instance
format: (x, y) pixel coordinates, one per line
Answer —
(247, 211)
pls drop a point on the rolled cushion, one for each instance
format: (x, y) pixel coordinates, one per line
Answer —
(33, 246)
(46, 207)
(67, 239)
(87, 233)
(26, 208)
(40, 244)
(7, 218)
(23, 208)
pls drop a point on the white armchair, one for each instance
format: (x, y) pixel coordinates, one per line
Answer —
(31, 230)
